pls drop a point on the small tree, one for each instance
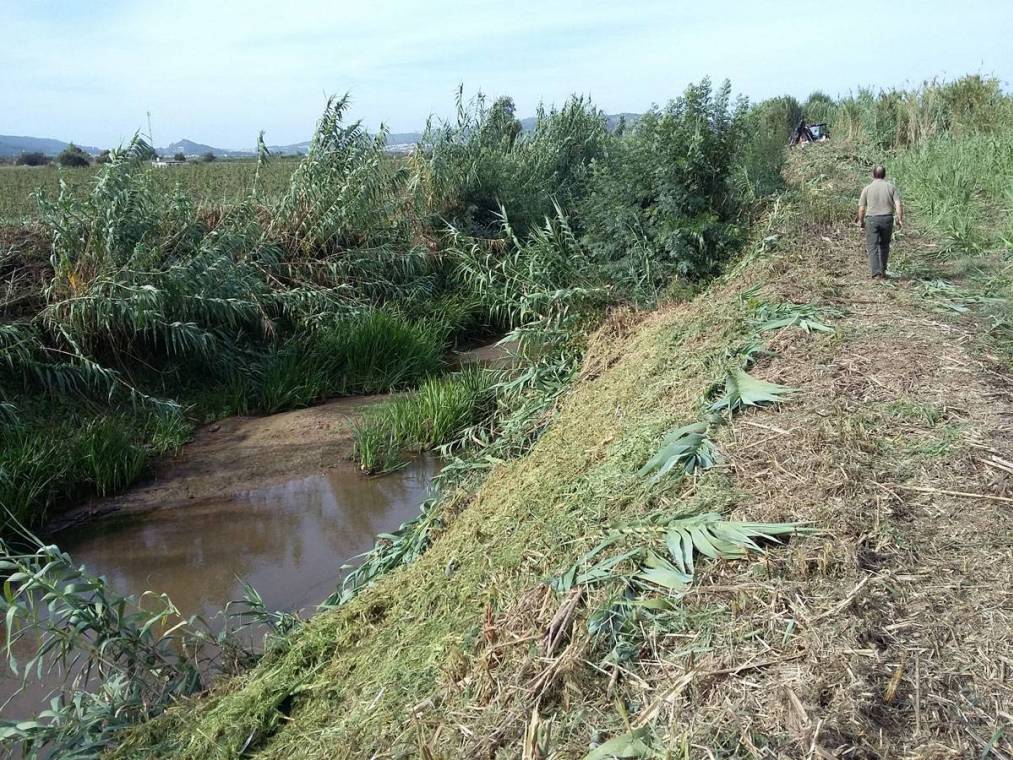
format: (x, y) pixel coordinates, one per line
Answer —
(179, 157)
(35, 158)
(501, 126)
(208, 157)
(103, 158)
(72, 156)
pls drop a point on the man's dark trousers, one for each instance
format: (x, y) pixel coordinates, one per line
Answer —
(878, 231)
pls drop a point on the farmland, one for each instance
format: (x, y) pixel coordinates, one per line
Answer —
(717, 480)
(223, 182)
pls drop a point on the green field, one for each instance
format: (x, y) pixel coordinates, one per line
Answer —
(222, 182)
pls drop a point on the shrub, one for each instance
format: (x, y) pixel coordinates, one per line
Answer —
(33, 158)
(73, 157)
(208, 157)
(663, 202)
(467, 173)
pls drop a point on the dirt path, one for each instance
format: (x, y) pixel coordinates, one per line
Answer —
(894, 636)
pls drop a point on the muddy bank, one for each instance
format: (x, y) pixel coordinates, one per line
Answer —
(235, 456)
(239, 454)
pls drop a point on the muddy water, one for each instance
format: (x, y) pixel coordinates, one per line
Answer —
(288, 540)
(272, 501)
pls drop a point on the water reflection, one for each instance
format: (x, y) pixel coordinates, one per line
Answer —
(287, 540)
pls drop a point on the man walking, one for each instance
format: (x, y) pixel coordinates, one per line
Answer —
(879, 202)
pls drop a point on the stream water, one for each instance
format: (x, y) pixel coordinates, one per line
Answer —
(288, 540)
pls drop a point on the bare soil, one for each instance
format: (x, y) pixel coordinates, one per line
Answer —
(238, 454)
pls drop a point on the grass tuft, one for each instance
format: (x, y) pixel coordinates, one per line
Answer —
(435, 414)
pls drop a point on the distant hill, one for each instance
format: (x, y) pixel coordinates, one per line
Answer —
(14, 145)
(611, 121)
(397, 142)
(192, 149)
(300, 149)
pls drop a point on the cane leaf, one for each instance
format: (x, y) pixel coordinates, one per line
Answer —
(630, 744)
(686, 449)
(742, 390)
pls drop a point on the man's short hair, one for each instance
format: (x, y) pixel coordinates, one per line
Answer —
(879, 171)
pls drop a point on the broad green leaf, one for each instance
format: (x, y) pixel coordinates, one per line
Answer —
(662, 573)
(743, 390)
(687, 447)
(630, 744)
(674, 542)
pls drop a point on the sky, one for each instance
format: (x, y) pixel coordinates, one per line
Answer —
(218, 71)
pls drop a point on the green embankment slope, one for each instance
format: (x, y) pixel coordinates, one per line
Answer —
(884, 634)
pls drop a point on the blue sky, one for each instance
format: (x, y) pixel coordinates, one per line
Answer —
(219, 71)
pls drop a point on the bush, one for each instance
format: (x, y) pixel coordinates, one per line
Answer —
(104, 157)
(179, 157)
(34, 158)
(73, 157)
(469, 172)
(663, 202)
(208, 157)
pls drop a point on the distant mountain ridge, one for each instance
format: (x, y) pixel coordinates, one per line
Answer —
(11, 145)
(15, 145)
(192, 149)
